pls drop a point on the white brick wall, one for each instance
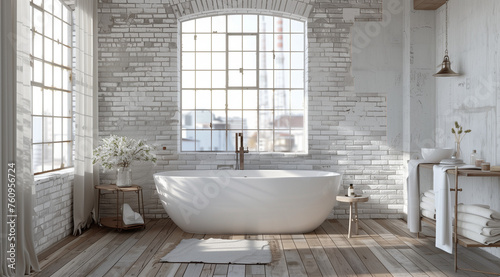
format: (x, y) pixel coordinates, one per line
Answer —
(138, 96)
(53, 218)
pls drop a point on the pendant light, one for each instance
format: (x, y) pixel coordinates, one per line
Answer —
(446, 65)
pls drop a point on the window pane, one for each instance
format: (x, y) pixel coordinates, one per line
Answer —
(66, 55)
(297, 60)
(48, 49)
(203, 79)
(234, 78)
(67, 154)
(38, 20)
(297, 99)
(203, 61)
(58, 133)
(37, 71)
(66, 83)
(249, 78)
(266, 23)
(234, 120)
(203, 99)
(188, 61)
(266, 42)
(219, 120)
(188, 142)
(218, 79)
(266, 60)
(47, 157)
(37, 129)
(37, 100)
(219, 140)
(250, 60)
(235, 60)
(218, 99)
(281, 99)
(234, 43)
(234, 99)
(250, 138)
(219, 24)
(203, 141)
(234, 23)
(47, 24)
(218, 42)
(57, 29)
(188, 120)
(283, 141)
(297, 77)
(47, 102)
(203, 25)
(48, 6)
(282, 79)
(47, 129)
(249, 23)
(297, 42)
(250, 99)
(188, 79)
(188, 42)
(66, 34)
(203, 42)
(281, 25)
(47, 71)
(297, 26)
(250, 119)
(57, 8)
(266, 79)
(37, 158)
(282, 119)
(188, 26)
(282, 60)
(58, 104)
(57, 53)
(66, 104)
(38, 46)
(57, 77)
(266, 141)
(203, 119)
(58, 161)
(266, 99)
(67, 135)
(298, 140)
(249, 43)
(219, 61)
(266, 120)
(188, 99)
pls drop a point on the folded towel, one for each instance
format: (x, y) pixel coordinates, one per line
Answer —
(479, 205)
(130, 217)
(479, 220)
(428, 214)
(430, 194)
(490, 231)
(428, 200)
(477, 237)
(480, 211)
(427, 206)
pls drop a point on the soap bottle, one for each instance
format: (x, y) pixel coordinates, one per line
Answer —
(350, 191)
(473, 158)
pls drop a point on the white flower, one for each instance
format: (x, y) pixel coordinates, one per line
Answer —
(118, 151)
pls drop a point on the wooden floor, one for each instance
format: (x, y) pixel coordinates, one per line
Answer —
(383, 248)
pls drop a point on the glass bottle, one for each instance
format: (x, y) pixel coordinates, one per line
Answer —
(473, 157)
(350, 191)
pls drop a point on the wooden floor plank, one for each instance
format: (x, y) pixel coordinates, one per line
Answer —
(384, 247)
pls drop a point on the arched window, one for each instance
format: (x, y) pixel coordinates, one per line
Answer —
(243, 73)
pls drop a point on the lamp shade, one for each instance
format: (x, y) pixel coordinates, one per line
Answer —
(446, 69)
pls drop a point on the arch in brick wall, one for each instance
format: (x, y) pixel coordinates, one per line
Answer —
(186, 9)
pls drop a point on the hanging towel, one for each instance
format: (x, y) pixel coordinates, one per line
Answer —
(479, 220)
(413, 195)
(444, 209)
(477, 237)
(480, 211)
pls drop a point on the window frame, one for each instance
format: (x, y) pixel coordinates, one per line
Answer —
(48, 138)
(288, 112)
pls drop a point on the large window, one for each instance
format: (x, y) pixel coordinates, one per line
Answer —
(52, 108)
(243, 73)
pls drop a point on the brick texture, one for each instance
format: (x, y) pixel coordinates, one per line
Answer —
(138, 96)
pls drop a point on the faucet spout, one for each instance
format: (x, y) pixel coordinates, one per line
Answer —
(240, 152)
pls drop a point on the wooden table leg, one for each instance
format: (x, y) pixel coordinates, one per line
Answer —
(356, 216)
(350, 220)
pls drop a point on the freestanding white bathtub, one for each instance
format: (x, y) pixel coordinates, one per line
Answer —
(247, 201)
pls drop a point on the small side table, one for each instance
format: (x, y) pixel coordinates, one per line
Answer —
(353, 201)
(117, 221)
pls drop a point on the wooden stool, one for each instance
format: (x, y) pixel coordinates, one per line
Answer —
(351, 201)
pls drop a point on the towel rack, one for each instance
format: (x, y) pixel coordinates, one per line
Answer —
(457, 239)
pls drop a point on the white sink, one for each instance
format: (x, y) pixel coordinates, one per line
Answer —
(435, 155)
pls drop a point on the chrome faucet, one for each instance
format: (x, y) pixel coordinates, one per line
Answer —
(240, 152)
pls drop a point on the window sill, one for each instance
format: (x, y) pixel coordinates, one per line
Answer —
(53, 175)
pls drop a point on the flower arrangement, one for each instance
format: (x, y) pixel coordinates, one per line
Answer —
(458, 132)
(116, 152)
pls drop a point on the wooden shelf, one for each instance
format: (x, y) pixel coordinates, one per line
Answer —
(465, 172)
(427, 4)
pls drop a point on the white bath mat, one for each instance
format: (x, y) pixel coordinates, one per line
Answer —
(220, 251)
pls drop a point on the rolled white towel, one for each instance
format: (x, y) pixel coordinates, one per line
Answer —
(479, 220)
(130, 217)
(430, 194)
(477, 237)
(480, 211)
(427, 206)
(485, 231)
(490, 231)
(428, 200)
(428, 214)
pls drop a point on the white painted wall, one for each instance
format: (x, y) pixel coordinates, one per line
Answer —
(472, 99)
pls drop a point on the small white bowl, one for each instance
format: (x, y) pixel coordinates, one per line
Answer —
(435, 155)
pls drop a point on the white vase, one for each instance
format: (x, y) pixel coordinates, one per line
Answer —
(124, 177)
